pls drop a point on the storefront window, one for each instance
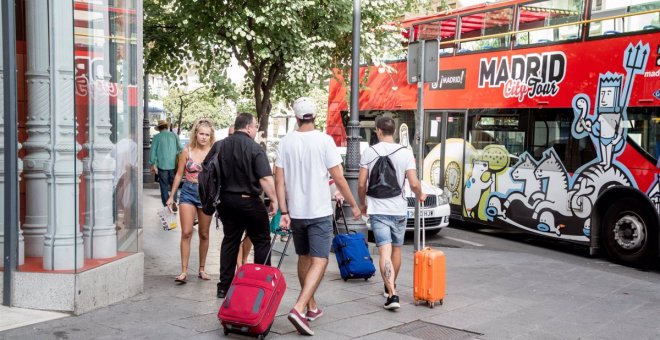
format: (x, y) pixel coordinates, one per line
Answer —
(106, 80)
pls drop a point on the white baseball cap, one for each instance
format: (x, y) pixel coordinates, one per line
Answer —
(304, 108)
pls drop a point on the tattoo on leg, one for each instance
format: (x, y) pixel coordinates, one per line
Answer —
(388, 270)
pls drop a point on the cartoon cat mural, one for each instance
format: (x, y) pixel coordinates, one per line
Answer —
(553, 201)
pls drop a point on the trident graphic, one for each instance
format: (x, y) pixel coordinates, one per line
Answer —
(635, 63)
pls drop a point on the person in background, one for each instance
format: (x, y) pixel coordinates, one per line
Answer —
(305, 159)
(388, 215)
(202, 138)
(165, 146)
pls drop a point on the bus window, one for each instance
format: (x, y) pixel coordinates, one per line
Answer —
(536, 15)
(444, 30)
(552, 129)
(617, 17)
(486, 129)
(486, 24)
(644, 129)
(448, 36)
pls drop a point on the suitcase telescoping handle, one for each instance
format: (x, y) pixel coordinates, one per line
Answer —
(341, 214)
(286, 245)
(422, 223)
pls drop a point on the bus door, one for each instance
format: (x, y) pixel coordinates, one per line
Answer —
(444, 161)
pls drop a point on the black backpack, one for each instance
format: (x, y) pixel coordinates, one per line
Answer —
(210, 181)
(383, 182)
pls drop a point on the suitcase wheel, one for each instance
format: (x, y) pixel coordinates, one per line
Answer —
(260, 337)
(226, 331)
(431, 304)
(416, 303)
(440, 302)
(345, 279)
(366, 279)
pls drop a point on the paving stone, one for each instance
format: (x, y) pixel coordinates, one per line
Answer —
(360, 325)
(199, 323)
(387, 335)
(71, 331)
(621, 329)
(154, 331)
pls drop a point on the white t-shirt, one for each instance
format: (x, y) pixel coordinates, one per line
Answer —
(306, 158)
(402, 160)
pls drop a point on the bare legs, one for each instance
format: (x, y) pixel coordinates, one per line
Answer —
(243, 252)
(187, 215)
(310, 273)
(203, 232)
(389, 263)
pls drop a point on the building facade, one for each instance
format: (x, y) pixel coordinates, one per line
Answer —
(79, 140)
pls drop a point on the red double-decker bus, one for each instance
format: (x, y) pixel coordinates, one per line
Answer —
(545, 118)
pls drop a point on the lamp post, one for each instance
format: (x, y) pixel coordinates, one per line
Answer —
(353, 136)
(147, 177)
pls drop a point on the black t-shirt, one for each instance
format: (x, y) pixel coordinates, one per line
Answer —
(243, 163)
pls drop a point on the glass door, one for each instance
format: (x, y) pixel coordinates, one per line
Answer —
(444, 159)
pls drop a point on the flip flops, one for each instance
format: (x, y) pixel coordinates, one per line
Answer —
(182, 278)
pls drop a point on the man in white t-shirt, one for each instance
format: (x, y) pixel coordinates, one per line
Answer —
(388, 213)
(306, 157)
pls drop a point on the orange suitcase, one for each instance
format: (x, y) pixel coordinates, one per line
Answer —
(429, 274)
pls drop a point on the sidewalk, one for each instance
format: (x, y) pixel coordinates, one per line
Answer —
(490, 295)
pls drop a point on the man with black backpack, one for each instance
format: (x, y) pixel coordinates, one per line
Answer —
(384, 167)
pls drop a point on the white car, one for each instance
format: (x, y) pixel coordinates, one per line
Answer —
(435, 209)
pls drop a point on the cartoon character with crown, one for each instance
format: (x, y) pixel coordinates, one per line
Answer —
(605, 126)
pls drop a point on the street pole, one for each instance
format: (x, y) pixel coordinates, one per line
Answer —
(147, 177)
(353, 135)
(420, 138)
(10, 255)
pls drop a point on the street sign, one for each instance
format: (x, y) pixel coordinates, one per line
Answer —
(431, 67)
(431, 62)
(413, 62)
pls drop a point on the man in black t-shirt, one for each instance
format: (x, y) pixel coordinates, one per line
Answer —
(246, 173)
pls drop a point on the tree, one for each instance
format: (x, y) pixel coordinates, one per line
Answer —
(287, 47)
(187, 107)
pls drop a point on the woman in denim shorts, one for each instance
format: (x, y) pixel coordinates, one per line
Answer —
(189, 166)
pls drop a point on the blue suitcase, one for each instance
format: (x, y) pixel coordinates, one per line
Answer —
(352, 253)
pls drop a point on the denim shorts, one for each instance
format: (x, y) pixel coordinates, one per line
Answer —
(388, 229)
(189, 194)
(312, 237)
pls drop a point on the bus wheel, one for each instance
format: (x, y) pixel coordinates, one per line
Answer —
(629, 234)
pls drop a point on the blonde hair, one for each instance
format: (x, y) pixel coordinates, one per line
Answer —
(202, 122)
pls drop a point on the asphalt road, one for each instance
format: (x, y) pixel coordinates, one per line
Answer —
(468, 235)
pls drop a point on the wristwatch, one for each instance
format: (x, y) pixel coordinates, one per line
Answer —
(284, 212)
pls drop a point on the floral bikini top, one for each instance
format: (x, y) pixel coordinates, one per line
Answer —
(192, 168)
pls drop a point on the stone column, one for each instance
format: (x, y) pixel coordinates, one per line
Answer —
(63, 244)
(99, 233)
(21, 243)
(38, 127)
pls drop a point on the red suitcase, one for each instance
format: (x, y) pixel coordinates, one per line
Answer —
(253, 298)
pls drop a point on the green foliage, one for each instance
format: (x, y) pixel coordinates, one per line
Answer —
(320, 96)
(287, 47)
(202, 103)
